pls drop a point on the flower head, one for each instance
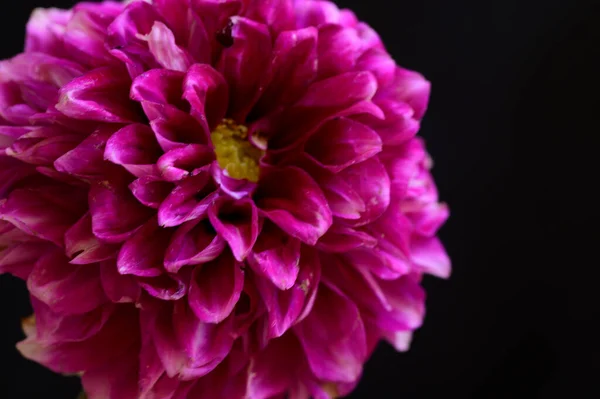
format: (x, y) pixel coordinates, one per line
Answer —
(214, 199)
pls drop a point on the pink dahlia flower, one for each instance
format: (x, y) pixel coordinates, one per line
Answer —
(214, 199)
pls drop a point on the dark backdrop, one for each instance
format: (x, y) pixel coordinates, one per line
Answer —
(512, 128)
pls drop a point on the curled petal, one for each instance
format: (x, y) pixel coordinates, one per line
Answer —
(293, 68)
(409, 87)
(100, 95)
(86, 161)
(371, 181)
(430, 256)
(117, 287)
(273, 370)
(118, 333)
(340, 238)
(286, 308)
(83, 247)
(167, 53)
(215, 289)
(143, 254)
(278, 15)
(334, 342)
(168, 287)
(207, 93)
(180, 162)
(135, 148)
(44, 212)
(292, 200)
(343, 142)
(45, 30)
(276, 256)
(42, 146)
(194, 242)
(66, 288)
(342, 95)
(237, 223)
(188, 201)
(116, 214)
(19, 259)
(244, 63)
(150, 190)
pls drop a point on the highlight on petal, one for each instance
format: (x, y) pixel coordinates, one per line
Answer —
(237, 223)
(193, 243)
(215, 289)
(100, 95)
(291, 199)
(276, 256)
(65, 288)
(334, 341)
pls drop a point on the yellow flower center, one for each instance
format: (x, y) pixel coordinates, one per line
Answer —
(234, 152)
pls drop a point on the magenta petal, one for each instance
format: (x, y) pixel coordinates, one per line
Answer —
(42, 146)
(340, 238)
(86, 161)
(12, 172)
(399, 124)
(143, 254)
(411, 88)
(237, 223)
(293, 68)
(66, 288)
(430, 256)
(100, 95)
(126, 37)
(42, 212)
(167, 53)
(278, 15)
(343, 142)
(187, 348)
(113, 381)
(215, 289)
(406, 301)
(180, 162)
(118, 334)
(292, 200)
(150, 190)
(19, 259)
(158, 86)
(208, 94)
(45, 30)
(244, 63)
(83, 247)
(55, 328)
(380, 63)
(339, 49)
(371, 181)
(204, 343)
(334, 341)
(135, 148)
(276, 256)
(116, 214)
(194, 242)
(85, 33)
(167, 287)
(285, 308)
(315, 13)
(272, 371)
(118, 288)
(342, 95)
(189, 200)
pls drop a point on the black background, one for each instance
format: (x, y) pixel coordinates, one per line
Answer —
(512, 127)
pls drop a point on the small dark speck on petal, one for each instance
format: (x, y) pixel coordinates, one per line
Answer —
(224, 36)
